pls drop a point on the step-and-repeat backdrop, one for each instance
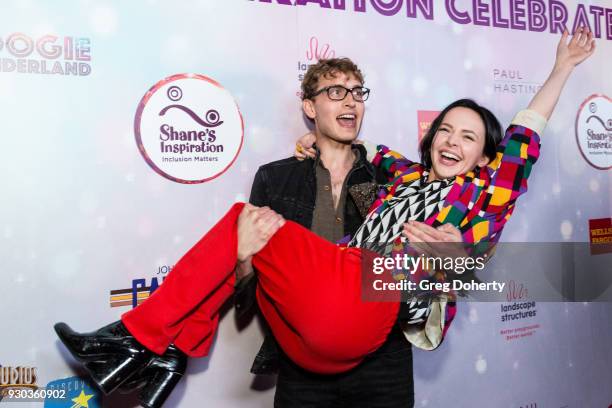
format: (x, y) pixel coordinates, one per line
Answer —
(128, 128)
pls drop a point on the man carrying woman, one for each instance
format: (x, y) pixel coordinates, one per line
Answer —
(309, 289)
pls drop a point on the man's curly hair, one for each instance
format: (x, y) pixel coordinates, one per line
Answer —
(327, 68)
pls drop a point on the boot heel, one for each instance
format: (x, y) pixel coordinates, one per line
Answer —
(159, 388)
(110, 374)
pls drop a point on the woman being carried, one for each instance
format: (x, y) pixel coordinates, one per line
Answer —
(309, 290)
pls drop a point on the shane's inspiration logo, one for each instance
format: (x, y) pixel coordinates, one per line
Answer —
(594, 131)
(189, 128)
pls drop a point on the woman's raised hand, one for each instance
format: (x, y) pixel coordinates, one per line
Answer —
(569, 54)
(579, 48)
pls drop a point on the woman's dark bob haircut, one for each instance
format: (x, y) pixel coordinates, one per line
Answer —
(493, 130)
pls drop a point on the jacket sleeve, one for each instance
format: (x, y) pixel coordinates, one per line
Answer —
(244, 296)
(516, 154)
(392, 163)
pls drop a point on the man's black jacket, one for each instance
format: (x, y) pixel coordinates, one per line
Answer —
(289, 187)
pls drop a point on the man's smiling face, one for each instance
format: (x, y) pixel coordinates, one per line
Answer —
(337, 120)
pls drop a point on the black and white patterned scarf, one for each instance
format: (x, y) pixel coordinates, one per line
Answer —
(415, 201)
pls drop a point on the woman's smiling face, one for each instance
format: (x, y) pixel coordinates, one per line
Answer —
(458, 145)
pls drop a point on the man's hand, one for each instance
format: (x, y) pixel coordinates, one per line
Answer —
(255, 228)
(303, 147)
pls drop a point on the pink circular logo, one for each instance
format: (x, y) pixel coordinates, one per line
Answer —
(594, 131)
(188, 128)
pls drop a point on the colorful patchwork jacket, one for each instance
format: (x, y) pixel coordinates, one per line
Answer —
(479, 203)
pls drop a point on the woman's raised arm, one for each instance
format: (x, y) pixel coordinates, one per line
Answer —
(569, 54)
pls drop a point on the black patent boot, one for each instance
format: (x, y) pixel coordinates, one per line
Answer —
(111, 354)
(163, 373)
(158, 378)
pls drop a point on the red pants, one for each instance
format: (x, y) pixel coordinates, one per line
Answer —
(309, 291)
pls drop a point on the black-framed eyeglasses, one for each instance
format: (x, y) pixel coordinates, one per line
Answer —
(339, 92)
